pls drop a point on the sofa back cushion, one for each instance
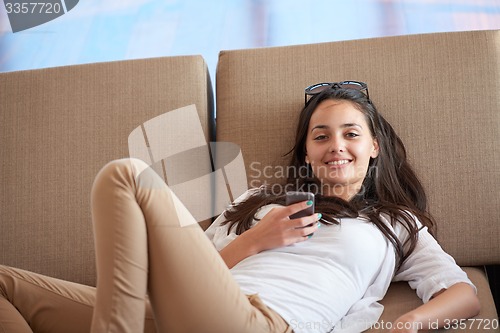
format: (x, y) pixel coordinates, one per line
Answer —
(59, 126)
(439, 91)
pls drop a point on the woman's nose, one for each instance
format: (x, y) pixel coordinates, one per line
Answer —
(337, 145)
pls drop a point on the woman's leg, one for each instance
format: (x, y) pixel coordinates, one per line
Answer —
(146, 240)
(31, 302)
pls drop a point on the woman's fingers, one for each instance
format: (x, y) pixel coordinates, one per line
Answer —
(276, 229)
(305, 221)
(296, 207)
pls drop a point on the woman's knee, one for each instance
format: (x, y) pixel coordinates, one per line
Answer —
(125, 169)
(123, 166)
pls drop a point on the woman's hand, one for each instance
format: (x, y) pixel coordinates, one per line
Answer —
(455, 303)
(276, 229)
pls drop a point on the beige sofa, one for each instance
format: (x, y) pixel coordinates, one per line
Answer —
(440, 91)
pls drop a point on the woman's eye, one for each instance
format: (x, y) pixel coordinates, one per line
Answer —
(320, 137)
(352, 135)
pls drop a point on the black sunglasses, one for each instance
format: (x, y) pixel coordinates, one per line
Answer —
(319, 87)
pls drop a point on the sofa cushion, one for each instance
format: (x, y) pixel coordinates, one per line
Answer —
(440, 92)
(59, 126)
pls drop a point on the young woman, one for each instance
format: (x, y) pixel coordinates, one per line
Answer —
(267, 272)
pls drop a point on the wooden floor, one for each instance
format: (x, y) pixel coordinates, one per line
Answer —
(97, 31)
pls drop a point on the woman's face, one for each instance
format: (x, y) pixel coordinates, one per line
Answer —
(339, 146)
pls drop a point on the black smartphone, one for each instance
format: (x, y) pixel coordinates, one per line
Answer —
(293, 197)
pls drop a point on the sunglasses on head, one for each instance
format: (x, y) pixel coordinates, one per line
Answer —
(317, 88)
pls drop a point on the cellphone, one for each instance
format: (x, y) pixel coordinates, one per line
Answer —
(293, 197)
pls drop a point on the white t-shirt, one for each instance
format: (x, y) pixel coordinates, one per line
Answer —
(333, 281)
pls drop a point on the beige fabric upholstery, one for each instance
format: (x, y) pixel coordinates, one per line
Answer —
(59, 126)
(440, 92)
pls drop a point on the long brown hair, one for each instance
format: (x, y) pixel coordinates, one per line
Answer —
(390, 188)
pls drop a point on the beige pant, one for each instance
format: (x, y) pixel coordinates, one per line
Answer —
(146, 243)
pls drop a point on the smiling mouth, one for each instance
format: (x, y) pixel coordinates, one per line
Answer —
(339, 162)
